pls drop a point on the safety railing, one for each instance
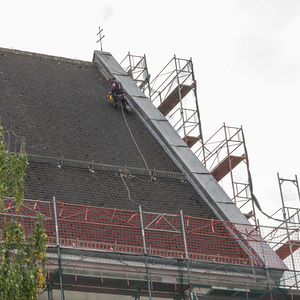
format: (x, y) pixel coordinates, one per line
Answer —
(176, 236)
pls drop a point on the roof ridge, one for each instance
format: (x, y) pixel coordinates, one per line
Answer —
(45, 56)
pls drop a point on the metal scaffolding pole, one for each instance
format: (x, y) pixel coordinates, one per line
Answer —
(186, 254)
(58, 252)
(229, 162)
(180, 98)
(50, 294)
(145, 251)
(286, 220)
(265, 261)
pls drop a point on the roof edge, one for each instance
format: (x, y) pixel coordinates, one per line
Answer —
(45, 56)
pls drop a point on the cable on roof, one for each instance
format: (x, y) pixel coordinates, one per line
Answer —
(19, 140)
(127, 175)
(135, 141)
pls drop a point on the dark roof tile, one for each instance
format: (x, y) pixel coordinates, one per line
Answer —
(60, 107)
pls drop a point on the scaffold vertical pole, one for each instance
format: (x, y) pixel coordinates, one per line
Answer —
(148, 76)
(58, 251)
(229, 162)
(280, 182)
(50, 294)
(198, 111)
(265, 262)
(186, 254)
(180, 98)
(145, 251)
(296, 178)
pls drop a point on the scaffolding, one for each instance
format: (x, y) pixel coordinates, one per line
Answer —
(285, 237)
(141, 253)
(172, 91)
(136, 67)
(224, 154)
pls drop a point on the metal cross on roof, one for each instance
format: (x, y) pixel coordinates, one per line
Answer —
(100, 38)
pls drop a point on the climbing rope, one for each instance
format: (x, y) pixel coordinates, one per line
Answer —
(129, 176)
(135, 141)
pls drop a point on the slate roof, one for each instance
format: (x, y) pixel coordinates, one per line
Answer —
(60, 107)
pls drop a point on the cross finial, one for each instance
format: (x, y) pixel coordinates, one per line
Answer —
(100, 38)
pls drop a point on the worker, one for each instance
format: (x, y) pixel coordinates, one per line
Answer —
(118, 94)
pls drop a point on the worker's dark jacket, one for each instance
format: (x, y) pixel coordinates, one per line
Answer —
(118, 92)
(119, 95)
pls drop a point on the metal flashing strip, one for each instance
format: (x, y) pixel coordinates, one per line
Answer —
(93, 166)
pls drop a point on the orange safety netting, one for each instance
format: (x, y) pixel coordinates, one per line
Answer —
(27, 214)
(165, 235)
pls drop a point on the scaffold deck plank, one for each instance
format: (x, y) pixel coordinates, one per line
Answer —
(221, 170)
(191, 140)
(173, 99)
(285, 250)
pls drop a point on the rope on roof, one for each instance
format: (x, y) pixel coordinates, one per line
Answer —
(135, 141)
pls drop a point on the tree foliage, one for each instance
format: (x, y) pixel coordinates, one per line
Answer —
(23, 256)
(12, 172)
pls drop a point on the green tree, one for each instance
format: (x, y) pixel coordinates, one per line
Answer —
(23, 256)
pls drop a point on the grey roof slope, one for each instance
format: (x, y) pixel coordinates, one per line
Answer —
(60, 107)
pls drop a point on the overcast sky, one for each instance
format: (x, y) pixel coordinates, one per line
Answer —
(246, 56)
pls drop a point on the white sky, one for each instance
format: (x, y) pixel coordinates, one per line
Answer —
(246, 56)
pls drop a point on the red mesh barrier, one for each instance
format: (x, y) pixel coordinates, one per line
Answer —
(105, 229)
(163, 235)
(99, 228)
(222, 243)
(285, 241)
(27, 214)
